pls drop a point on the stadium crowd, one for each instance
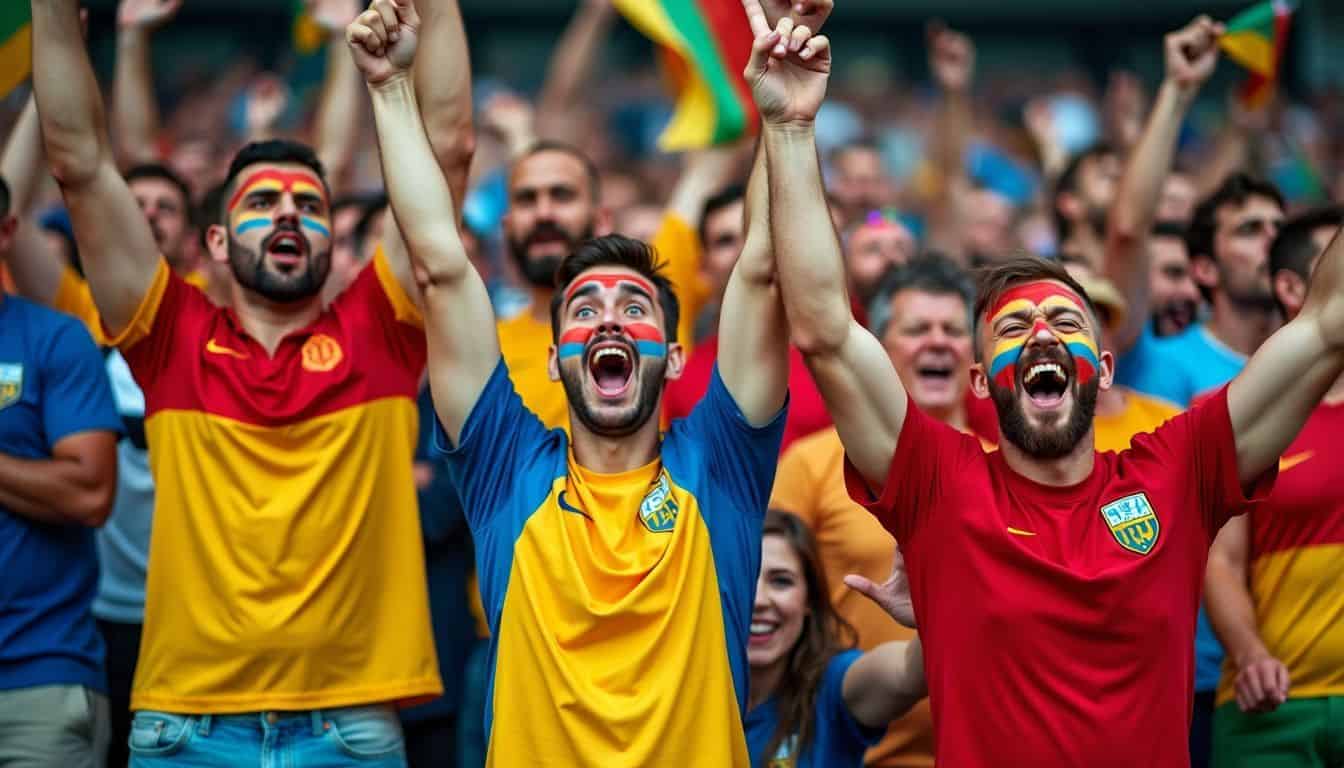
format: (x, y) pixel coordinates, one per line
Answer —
(898, 431)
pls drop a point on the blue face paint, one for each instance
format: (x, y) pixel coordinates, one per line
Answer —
(315, 225)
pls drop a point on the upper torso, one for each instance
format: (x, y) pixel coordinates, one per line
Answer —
(838, 740)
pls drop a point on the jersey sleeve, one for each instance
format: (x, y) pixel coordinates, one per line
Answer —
(167, 314)
(76, 396)
(831, 706)
(500, 443)
(926, 452)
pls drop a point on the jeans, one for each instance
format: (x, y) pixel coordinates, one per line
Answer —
(351, 736)
(53, 726)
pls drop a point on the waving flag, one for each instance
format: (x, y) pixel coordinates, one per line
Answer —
(16, 44)
(705, 45)
(1255, 39)
(308, 34)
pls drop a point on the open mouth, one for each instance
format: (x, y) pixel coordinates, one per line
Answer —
(611, 366)
(761, 632)
(1045, 384)
(286, 250)
(936, 373)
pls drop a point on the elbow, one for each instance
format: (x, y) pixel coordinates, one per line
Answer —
(73, 161)
(818, 339)
(92, 506)
(454, 145)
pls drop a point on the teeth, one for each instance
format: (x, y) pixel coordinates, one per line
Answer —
(1039, 368)
(761, 628)
(609, 351)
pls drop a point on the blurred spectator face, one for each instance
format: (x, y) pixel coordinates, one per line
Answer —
(343, 223)
(875, 246)
(929, 342)
(988, 234)
(59, 243)
(167, 214)
(552, 210)
(781, 604)
(374, 236)
(859, 182)
(620, 191)
(1178, 198)
(640, 221)
(1171, 288)
(1240, 264)
(1094, 190)
(723, 236)
(194, 161)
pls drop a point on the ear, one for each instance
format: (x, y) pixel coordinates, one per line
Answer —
(1291, 291)
(1204, 271)
(979, 381)
(552, 363)
(217, 241)
(8, 226)
(676, 361)
(1106, 372)
(603, 221)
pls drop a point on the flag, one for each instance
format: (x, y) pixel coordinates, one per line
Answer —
(16, 44)
(308, 34)
(1255, 39)
(704, 45)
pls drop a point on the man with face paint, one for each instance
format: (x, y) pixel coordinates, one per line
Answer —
(1056, 588)
(616, 567)
(286, 613)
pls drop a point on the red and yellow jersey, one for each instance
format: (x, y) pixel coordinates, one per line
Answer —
(286, 569)
(1297, 562)
(619, 605)
(1142, 414)
(73, 297)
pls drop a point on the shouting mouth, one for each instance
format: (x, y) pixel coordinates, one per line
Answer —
(1045, 384)
(287, 250)
(611, 365)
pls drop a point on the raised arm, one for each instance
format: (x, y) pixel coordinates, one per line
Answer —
(135, 112)
(336, 127)
(115, 242)
(1286, 378)
(1191, 55)
(952, 62)
(569, 69)
(459, 322)
(35, 268)
(443, 88)
(850, 367)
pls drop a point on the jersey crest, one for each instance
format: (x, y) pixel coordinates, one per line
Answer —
(785, 755)
(658, 511)
(11, 383)
(1133, 522)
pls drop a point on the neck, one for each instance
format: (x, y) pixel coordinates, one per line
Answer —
(1241, 328)
(541, 304)
(609, 455)
(762, 683)
(1070, 469)
(1110, 402)
(1336, 394)
(182, 263)
(267, 321)
(953, 416)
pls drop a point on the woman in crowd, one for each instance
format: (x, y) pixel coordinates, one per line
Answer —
(814, 701)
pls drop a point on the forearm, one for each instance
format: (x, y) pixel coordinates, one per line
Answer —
(443, 88)
(23, 163)
(886, 682)
(135, 113)
(1231, 611)
(54, 491)
(571, 64)
(336, 126)
(69, 105)
(36, 268)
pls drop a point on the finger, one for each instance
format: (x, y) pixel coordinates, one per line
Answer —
(816, 48)
(1281, 679)
(800, 36)
(756, 18)
(360, 35)
(860, 584)
(760, 55)
(1255, 690)
(408, 14)
(388, 13)
(374, 21)
(784, 30)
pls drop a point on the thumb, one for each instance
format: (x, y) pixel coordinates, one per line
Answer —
(863, 585)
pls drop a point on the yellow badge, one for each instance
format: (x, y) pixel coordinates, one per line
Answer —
(11, 383)
(321, 353)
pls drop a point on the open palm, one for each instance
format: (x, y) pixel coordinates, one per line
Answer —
(788, 69)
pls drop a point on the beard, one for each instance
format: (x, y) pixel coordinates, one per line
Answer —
(1045, 442)
(630, 418)
(1173, 317)
(249, 269)
(1247, 291)
(540, 271)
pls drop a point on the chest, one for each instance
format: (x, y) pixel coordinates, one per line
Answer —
(22, 382)
(1306, 507)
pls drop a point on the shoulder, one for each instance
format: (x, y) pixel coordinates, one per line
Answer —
(59, 333)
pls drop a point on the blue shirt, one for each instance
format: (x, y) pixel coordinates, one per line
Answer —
(1182, 368)
(838, 740)
(52, 386)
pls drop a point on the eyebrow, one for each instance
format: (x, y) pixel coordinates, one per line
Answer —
(580, 292)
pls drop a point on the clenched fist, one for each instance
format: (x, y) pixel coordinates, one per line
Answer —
(383, 39)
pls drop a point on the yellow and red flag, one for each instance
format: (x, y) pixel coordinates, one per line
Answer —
(16, 44)
(1255, 39)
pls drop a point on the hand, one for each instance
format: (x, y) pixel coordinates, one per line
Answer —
(383, 39)
(1262, 684)
(804, 13)
(1124, 107)
(146, 14)
(788, 69)
(508, 115)
(267, 99)
(892, 595)
(1192, 53)
(332, 15)
(951, 58)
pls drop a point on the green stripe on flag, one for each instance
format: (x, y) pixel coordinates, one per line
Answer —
(729, 119)
(16, 44)
(14, 16)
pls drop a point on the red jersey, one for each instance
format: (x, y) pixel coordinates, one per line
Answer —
(1059, 622)
(807, 410)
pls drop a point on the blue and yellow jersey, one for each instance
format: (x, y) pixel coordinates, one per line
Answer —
(618, 605)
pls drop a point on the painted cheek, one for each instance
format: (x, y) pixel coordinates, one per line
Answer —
(250, 220)
(648, 339)
(317, 225)
(1003, 367)
(573, 341)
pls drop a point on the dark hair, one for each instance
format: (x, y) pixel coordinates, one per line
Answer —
(373, 205)
(1068, 182)
(996, 280)
(211, 210)
(589, 167)
(1235, 190)
(163, 173)
(619, 251)
(865, 144)
(928, 273)
(4, 197)
(274, 151)
(1293, 248)
(722, 199)
(1170, 228)
(824, 635)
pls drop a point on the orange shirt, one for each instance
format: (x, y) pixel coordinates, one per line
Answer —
(1142, 413)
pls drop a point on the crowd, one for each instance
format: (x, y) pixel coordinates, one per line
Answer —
(898, 431)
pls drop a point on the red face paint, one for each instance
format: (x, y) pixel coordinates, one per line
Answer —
(608, 280)
(274, 180)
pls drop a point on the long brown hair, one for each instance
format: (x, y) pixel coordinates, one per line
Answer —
(824, 634)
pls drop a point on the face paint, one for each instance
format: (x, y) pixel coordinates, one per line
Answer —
(296, 183)
(648, 340)
(1035, 297)
(610, 281)
(573, 341)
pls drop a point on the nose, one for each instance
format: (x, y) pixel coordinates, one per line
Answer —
(287, 209)
(761, 602)
(1042, 336)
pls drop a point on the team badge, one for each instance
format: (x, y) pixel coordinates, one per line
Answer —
(11, 383)
(658, 511)
(321, 353)
(1133, 522)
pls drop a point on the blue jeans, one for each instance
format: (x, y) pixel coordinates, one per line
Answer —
(351, 736)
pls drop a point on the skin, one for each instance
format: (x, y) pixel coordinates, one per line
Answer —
(725, 233)
(551, 207)
(860, 181)
(874, 249)
(1178, 199)
(167, 213)
(780, 608)
(1171, 287)
(931, 331)
(989, 223)
(344, 260)
(1240, 267)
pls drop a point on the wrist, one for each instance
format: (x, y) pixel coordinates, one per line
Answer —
(395, 83)
(1248, 655)
(1183, 93)
(793, 127)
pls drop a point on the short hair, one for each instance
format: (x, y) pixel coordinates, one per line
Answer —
(617, 251)
(1170, 229)
(4, 197)
(1293, 248)
(865, 144)
(589, 167)
(275, 151)
(931, 273)
(722, 199)
(1068, 182)
(162, 173)
(373, 205)
(998, 279)
(1235, 190)
(211, 210)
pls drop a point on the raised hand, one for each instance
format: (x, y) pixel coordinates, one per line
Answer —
(1191, 53)
(146, 14)
(267, 99)
(383, 38)
(804, 13)
(332, 15)
(1261, 684)
(788, 68)
(951, 58)
(892, 595)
